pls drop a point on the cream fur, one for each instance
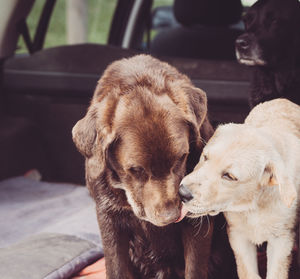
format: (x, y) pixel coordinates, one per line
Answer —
(251, 172)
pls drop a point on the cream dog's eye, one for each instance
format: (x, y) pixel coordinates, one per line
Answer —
(205, 157)
(229, 176)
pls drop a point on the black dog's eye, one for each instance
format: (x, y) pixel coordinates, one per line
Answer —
(248, 19)
(273, 21)
(229, 176)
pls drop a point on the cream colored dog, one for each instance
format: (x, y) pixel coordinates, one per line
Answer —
(251, 172)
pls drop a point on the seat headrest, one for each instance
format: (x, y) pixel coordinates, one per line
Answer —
(208, 12)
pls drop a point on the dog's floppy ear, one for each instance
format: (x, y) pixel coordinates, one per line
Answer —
(198, 110)
(275, 174)
(200, 127)
(94, 131)
(84, 134)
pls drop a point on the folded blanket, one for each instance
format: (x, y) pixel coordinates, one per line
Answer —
(47, 229)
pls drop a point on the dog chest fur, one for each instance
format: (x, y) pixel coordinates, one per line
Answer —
(264, 223)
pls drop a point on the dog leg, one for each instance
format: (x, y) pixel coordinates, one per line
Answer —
(197, 248)
(115, 247)
(279, 257)
(245, 255)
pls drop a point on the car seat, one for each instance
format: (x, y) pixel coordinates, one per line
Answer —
(207, 29)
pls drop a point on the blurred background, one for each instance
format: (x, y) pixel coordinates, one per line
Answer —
(96, 17)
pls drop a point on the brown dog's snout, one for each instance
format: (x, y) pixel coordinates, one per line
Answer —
(242, 43)
(185, 194)
(169, 213)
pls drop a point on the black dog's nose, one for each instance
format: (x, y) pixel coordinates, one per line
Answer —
(242, 42)
(185, 194)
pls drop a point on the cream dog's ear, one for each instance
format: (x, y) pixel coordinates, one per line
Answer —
(275, 174)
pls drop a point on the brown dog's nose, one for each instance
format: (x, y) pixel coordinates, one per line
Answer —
(185, 194)
(242, 42)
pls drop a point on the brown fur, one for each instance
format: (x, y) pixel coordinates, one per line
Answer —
(144, 128)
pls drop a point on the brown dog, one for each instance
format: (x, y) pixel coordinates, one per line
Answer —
(144, 128)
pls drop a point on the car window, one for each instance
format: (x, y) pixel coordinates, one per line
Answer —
(157, 3)
(248, 3)
(99, 14)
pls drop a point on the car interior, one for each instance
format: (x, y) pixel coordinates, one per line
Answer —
(51, 88)
(45, 91)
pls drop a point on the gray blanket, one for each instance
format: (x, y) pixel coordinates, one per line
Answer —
(51, 227)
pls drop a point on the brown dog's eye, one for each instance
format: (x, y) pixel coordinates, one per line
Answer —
(229, 176)
(136, 171)
(179, 163)
(182, 158)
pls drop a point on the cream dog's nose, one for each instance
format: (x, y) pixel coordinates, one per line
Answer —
(185, 194)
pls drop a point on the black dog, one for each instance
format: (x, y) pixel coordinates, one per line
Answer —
(271, 43)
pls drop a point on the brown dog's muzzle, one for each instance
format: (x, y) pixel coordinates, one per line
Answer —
(162, 205)
(169, 214)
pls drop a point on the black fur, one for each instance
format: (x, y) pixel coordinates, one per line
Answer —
(271, 44)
